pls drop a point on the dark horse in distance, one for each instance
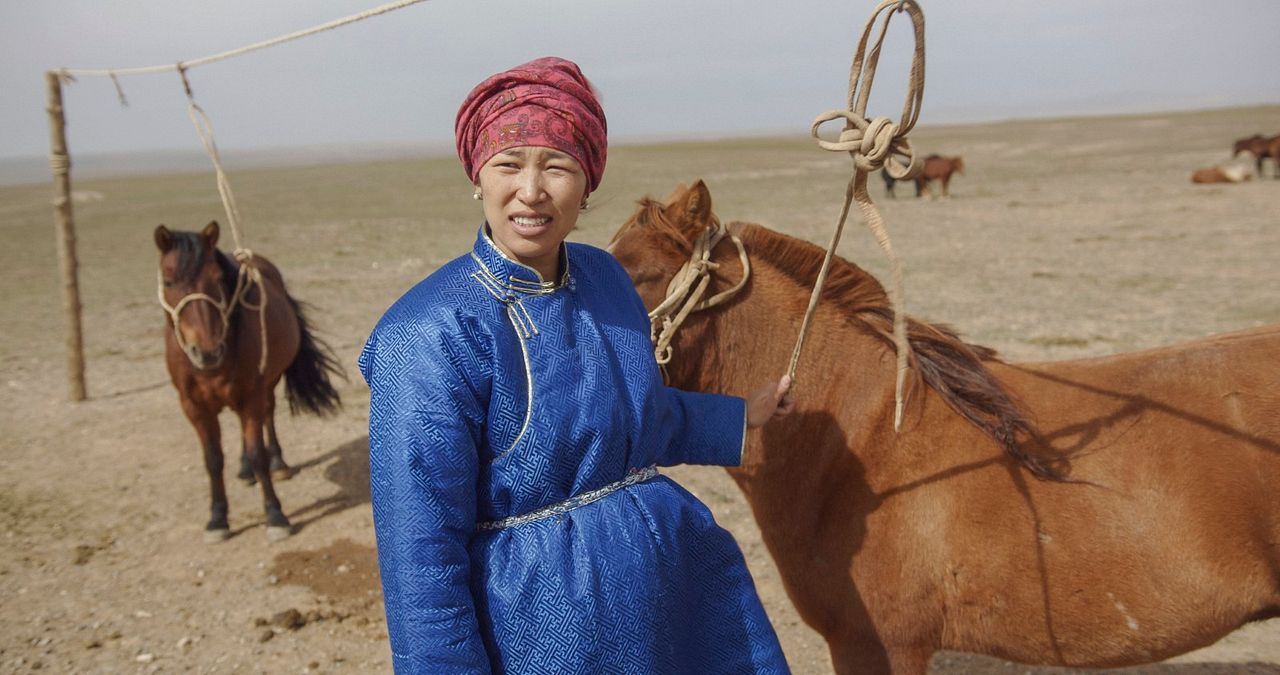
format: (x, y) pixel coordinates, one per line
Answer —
(232, 331)
(1260, 147)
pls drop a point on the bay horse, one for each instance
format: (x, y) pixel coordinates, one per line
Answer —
(216, 319)
(1097, 512)
(1260, 147)
(939, 168)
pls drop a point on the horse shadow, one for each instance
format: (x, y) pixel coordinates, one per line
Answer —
(347, 467)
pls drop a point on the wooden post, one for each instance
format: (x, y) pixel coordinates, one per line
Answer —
(60, 164)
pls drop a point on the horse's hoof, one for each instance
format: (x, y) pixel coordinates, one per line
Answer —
(249, 480)
(217, 536)
(278, 532)
(282, 474)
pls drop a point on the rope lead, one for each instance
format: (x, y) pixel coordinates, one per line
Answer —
(872, 145)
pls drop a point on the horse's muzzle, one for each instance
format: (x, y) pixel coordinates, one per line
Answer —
(203, 360)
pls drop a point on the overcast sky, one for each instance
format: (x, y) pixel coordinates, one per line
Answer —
(665, 68)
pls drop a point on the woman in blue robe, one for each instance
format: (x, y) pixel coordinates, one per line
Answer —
(517, 418)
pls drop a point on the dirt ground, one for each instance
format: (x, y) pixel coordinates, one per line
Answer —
(1064, 238)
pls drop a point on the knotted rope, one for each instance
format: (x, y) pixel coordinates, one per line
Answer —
(249, 273)
(685, 291)
(873, 144)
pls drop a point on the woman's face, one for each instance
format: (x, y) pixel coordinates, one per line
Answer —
(531, 197)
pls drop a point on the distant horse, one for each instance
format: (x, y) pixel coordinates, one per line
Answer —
(889, 182)
(1261, 147)
(939, 168)
(215, 318)
(1222, 174)
(1155, 532)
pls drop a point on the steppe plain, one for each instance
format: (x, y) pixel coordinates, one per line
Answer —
(1064, 238)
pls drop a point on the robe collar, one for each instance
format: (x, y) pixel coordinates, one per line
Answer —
(498, 271)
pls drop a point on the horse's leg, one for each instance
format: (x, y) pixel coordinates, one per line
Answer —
(246, 466)
(859, 654)
(246, 469)
(868, 656)
(946, 185)
(206, 425)
(279, 469)
(252, 418)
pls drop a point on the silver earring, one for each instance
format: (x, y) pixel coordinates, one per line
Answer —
(583, 205)
(477, 195)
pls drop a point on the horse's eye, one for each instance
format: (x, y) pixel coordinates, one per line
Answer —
(168, 284)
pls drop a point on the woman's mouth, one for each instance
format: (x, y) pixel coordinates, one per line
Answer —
(530, 225)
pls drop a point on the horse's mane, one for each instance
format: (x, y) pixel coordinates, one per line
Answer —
(953, 368)
(190, 249)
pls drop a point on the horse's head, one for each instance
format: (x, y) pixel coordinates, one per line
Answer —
(193, 291)
(957, 163)
(658, 239)
(1249, 144)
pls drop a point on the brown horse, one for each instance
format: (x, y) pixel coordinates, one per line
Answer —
(1098, 512)
(1222, 174)
(1261, 147)
(215, 317)
(939, 168)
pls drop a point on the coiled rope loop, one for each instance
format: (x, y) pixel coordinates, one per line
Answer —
(874, 144)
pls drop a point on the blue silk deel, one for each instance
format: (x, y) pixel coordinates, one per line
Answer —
(496, 394)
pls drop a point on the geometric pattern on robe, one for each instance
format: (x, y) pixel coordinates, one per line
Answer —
(495, 393)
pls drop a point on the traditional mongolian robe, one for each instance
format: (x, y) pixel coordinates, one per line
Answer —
(514, 426)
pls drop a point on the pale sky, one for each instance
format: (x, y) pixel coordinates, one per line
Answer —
(665, 68)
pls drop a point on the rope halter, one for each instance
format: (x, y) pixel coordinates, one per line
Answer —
(248, 276)
(685, 291)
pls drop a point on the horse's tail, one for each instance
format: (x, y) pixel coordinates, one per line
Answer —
(306, 380)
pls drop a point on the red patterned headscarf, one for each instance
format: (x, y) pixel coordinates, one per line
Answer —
(546, 102)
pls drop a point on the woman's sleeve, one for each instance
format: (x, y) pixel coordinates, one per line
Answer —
(703, 428)
(700, 428)
(423, 422)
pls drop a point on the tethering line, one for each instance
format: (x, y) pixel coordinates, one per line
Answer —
(873, 144)
(249, 274)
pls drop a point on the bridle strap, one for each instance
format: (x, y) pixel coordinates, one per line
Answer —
(685, 291)
(248, 276)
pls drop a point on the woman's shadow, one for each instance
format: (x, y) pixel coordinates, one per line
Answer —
(349, 471)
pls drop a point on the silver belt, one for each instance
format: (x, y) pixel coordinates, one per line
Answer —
(633, 477)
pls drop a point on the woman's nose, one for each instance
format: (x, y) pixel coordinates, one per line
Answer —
(531, 189)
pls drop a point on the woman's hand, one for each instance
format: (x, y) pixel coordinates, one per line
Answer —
(771, 400)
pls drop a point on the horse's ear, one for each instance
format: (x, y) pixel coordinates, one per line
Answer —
(164, 238)
(692, 207)
(210, 234)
